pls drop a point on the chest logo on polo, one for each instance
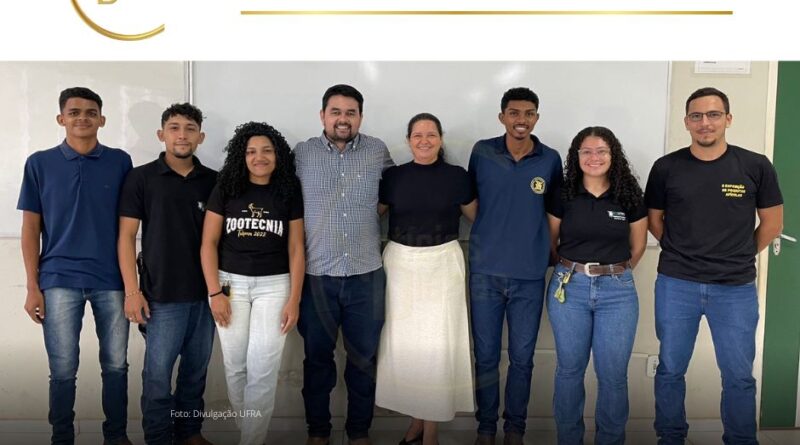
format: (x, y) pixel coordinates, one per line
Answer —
(617, 216)
(538, 185)
(201, 206)
(255, 225)
(734, 190)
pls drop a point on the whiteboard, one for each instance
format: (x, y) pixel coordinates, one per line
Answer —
(134, 95)
(628, 97)
(631, 98)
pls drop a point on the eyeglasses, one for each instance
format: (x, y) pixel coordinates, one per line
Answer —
(600, 153)
(713, 116)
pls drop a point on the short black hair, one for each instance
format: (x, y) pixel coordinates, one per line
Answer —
(709, 91)
(346, 91)
(518, 93)
(186, 110)
(79, 92)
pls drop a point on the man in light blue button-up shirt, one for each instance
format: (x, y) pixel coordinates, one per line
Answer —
(344, 284)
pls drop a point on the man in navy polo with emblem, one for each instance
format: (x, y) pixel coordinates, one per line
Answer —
(69, 201)
(514, 175)
(168, 197)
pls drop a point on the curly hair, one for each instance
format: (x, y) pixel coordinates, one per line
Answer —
(186, 110)
(624, 185)
(234, 176)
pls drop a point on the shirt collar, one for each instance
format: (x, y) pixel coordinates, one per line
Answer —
(502, 148)
(70, 153)
(164, 168)
(355, 144)
(582, 191)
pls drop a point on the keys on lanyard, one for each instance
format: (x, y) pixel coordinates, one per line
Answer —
(561, 293)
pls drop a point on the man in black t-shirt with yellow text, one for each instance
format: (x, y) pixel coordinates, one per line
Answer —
(703, 201)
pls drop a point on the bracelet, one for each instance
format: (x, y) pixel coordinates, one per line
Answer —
(215, 294)
(137, 291)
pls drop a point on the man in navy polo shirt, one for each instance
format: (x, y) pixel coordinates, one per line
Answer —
(514, 174)
(69, 230)
(168, 196)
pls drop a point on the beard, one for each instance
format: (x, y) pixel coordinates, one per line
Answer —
(334, 136)
(707, 143)
(182, 155)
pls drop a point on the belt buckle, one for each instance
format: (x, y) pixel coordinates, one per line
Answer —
(586, 269)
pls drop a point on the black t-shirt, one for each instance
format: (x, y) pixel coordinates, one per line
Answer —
(172, 209)
(255, 231)
(425, 202)
(710, 213)
(595, 229)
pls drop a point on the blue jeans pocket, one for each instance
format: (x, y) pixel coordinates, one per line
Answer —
(625, 278)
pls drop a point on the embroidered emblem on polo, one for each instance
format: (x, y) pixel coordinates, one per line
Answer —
(538, 185)
(617, 216)
(201, 206)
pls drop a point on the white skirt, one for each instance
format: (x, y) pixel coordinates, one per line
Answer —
(424, 367)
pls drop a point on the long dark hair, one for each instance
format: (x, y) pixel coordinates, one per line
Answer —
(234, 176)
(624, 186)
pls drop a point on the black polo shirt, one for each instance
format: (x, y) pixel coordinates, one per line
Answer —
(595, 229)
(171, 208)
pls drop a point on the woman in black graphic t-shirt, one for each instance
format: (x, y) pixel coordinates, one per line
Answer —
(254, 262)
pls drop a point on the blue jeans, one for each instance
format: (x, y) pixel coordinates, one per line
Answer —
(356, 303)
(732, 315)
(493, 298)
(185, 329)
(62, 328)
(599, 314)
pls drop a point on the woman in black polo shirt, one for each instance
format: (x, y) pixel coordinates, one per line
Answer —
(253, 262)
(599, 232)
(424, 357)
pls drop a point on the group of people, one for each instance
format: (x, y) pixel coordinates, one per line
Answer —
(283, 237)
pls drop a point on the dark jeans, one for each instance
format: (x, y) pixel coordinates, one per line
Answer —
(185, 329)
(356, 303)
(519, 302)
(62, 329)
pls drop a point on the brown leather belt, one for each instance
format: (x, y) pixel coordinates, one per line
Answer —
(596, 269)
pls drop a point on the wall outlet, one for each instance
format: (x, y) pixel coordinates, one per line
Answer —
(652, 363)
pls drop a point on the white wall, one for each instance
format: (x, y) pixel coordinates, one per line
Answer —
(23, 363)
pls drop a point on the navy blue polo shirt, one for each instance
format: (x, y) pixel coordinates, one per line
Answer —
(510, 236)
(77, 197)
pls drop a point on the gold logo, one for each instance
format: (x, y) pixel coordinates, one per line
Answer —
(734, 190)
(537, 185)
(111, 34)
(256, 212)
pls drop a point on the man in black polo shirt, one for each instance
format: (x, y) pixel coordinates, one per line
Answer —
(702, 202)
(169, 197)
